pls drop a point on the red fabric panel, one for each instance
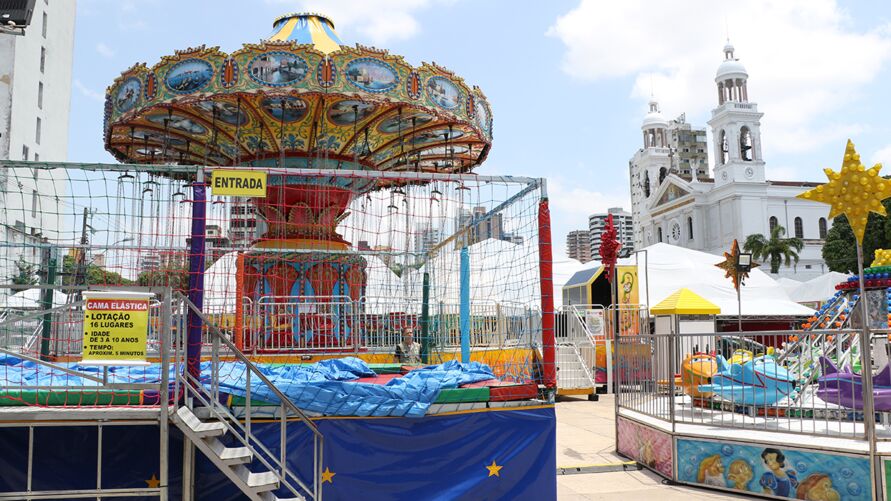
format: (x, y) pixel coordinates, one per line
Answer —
(546, 259)
(502, 391)
(379, 379)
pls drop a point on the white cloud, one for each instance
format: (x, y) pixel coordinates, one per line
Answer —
(882, 156)
(368, 21)
(805, 58)
(87, 92)
(104, 50)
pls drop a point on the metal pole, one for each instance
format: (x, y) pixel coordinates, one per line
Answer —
(425, 319)
(465, 306)
(869, 416)
(164, 390)
(739, 306)
(47, 303)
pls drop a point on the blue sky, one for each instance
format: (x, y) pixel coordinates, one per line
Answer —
(568, 80)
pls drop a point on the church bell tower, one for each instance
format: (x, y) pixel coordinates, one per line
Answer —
(736, 126)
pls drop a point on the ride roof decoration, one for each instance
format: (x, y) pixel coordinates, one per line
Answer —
(298, 99)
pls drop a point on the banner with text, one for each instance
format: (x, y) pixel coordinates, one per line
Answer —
(115, 327)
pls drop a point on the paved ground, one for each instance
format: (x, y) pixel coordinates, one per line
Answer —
(586, 436)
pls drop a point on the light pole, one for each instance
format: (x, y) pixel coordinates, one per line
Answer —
(743, 267)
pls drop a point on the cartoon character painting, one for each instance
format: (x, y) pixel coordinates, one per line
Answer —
(775, 472)
(647, 446)
(778, 480)
(739, 474)
(711, 471)
(817, 487)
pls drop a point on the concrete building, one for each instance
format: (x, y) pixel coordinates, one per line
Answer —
(425, 238)
(35, 99)
(244, 224)
(622, 220)
(482, 228)
(680, 206)
(578, 245)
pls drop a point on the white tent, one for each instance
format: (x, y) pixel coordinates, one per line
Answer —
(669, 268)
(817, 289)
(788, 285)
(30, 299)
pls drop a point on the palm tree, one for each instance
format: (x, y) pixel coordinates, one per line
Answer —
(777, 249)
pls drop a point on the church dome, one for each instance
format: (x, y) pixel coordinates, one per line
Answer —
(654, 118)
(730, 67)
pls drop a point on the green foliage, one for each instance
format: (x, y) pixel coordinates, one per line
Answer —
(94, 274)
(776, 249)
(177, 278)
(25, 274)
(840, 251)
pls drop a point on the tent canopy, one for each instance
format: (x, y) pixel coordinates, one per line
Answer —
(30, 299)
(817, 289)
(685, 302)
(669, 268)
(664, 268)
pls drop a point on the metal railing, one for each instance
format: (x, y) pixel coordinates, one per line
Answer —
(209, 400)
(771, 381)
(339, 324)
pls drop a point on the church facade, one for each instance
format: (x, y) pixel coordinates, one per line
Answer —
(674, 200)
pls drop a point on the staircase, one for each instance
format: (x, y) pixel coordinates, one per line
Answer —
(232, 461)
(572, 370)
(210, 426)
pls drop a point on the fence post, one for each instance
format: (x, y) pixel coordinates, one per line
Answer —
(546, 280)
(425, 319)
(465, 305)
(164, 393)
(49, 260)
(196, 274)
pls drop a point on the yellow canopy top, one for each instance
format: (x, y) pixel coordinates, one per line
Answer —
(685, 302)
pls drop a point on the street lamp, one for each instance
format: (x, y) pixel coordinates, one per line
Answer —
(744, 262)
(743, 267)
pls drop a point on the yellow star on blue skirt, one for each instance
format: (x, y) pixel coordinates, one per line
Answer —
(494, 469)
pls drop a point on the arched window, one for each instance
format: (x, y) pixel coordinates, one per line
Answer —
(646, 184)
(772, 222)
(690, 228)
(725, 148)
(659, 232)
(662, 173)
(799, 228)
(745, 145)
(822, 225)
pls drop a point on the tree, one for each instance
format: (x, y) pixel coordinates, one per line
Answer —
(25, 274)
(176, 278)
(840, 252)
(776, 249)
(94, 275)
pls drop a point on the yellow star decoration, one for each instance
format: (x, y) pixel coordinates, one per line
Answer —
(854, 192)
(883, 258)
(153, 483)
(328, 476)
(729, 266)
(494, 469)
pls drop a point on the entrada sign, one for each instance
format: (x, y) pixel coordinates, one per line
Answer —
(238, 183)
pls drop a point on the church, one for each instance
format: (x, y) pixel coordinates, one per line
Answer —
(674, 200)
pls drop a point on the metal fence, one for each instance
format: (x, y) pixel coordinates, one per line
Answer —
(765, 381)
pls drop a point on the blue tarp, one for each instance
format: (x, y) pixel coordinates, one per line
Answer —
(326, 387)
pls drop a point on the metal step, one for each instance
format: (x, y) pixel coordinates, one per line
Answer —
(198, 427)
(229, 455)
(256, 482)
(269, 496)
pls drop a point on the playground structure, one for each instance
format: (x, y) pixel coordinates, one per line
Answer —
(274, 313)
